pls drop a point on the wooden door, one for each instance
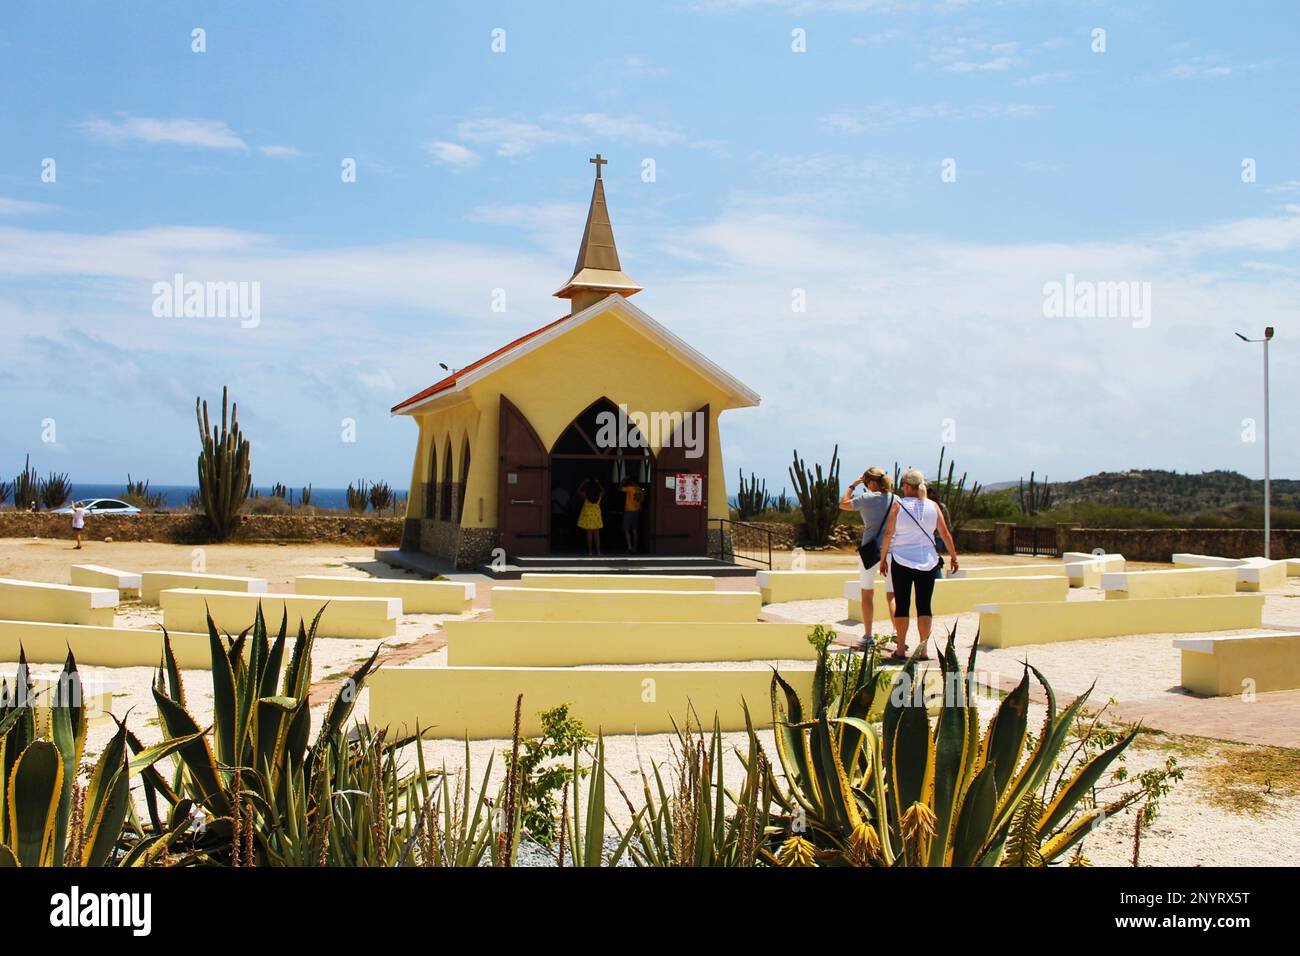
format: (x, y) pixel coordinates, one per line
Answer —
(523, 485)
(681, 528)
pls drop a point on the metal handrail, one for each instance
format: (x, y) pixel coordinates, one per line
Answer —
(725, 554)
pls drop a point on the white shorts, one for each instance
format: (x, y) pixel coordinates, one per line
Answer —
(867, 579)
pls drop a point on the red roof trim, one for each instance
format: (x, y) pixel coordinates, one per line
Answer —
(450, 380)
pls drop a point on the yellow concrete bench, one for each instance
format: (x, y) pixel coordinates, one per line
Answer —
(1180, 582)
(418, 597)
(568, 644)
(96, 576)
(1259, 574)
(1085, 570)
(619, 582)
(571, 604)
(1230, 664)
(152, 582)
(56, 603)
(46, 643)
(779, 586)
(185, 609)
(479, 702)
(1186, 560)
(959, 595)
(1014, 624)
(1012, 571)
(1293, 567)
(96, 699)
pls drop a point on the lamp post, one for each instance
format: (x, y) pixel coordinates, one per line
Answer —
(1268, 335)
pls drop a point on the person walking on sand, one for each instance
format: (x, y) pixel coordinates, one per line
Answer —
(78, 522)
(871, 496)
(908, 556)
(590, 492)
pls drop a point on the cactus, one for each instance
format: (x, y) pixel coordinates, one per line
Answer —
(1035, 497)
(26, 489)
(55, 490)
(4, 491)
(279, 490)
(959, 501)
(782, 503)
(381, 496)
(304, 499)
(358, 497)
(224, 477)
(138, 494)
(819, 497)
(751, 499)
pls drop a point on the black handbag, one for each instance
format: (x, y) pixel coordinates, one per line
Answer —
(869, 551)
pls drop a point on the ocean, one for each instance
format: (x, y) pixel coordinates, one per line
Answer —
(177, 496)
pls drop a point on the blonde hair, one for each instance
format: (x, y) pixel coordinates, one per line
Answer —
(875, 473)
(916, 478)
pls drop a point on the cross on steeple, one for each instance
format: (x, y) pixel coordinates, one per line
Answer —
(599, 163)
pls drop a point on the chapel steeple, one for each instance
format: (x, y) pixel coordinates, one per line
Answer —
(597, 272)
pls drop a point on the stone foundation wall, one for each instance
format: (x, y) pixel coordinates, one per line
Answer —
(188, 528)
(1160, 544)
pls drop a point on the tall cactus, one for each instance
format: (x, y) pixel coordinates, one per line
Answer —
(224, 477)
(26, 489)
(956, 497)
(819, 497)
(1035, 497)
(751, 499)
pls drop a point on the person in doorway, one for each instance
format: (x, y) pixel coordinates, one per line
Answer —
(590, 493)
(633, 495)
(871, 497)
(78, 522)
(909, 557)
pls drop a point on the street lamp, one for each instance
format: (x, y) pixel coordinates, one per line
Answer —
(1268, 335)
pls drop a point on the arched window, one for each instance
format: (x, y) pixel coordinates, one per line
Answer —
(444, 492)
(431, 481)
(464, 478)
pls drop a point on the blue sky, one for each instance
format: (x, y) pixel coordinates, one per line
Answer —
(775, 171)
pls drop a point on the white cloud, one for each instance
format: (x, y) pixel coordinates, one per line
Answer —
(454, 155)
(199, 133)
(22, 207)
(510, 138)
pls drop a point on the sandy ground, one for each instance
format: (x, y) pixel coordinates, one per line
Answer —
(1122, 667)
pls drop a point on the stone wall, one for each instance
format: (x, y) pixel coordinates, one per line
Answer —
(188, 528)
(1160, 544)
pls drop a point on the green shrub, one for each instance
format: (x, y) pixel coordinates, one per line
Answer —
(546, 765)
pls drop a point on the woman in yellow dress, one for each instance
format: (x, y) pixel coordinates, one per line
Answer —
(589, 519)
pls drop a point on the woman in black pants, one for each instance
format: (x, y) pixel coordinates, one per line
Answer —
(909, 545)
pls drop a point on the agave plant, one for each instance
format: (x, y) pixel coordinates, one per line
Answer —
(259, 777)
(918, 793)
(46, 817)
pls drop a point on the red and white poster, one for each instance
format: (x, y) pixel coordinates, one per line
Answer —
(690, 489)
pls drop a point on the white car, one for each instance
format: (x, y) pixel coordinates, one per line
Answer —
(102, 506)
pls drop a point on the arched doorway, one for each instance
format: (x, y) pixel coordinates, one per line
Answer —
(600, 444)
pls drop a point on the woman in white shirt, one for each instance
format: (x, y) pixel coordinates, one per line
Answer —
(909, 544)
(78, 522)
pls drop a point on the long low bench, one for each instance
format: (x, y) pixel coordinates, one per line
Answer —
(1187, 560)
(959, 595)
(779, 586)
(571, 604)
(185, 609)
(1014, 624)
(154, 582)
(1180, 582)
(1043, 569)
(56, 603)
(618, 582)
(46, 643)
(96, 700)
(1260, 574)
(1231, 664)
(125, 583)
(418, 597)
(1293, 567)
(568, 644)
(479, 702)
(1085, 570)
